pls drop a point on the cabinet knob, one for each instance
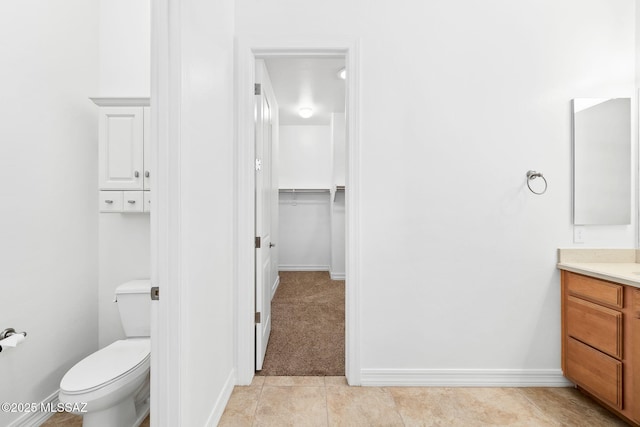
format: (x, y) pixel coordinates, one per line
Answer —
(146, 174)
(108, 201)
(271, 245)
(136, 174)
(131, 201)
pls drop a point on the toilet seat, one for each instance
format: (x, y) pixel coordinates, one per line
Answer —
(113, 363)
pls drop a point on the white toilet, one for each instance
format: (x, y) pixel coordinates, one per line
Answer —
(114, 381)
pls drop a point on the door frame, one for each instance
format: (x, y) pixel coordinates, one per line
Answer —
(166, 234)
(247, 50)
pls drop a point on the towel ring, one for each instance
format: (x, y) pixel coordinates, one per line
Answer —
(531, 175)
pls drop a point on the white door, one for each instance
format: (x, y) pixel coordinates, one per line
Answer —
(265, 105)
(121, 148)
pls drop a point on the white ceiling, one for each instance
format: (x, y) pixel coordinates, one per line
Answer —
(307, 82)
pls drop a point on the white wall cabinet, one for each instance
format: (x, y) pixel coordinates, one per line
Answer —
(124, 154)
(121, 148)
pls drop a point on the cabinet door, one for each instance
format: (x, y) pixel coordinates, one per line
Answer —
(121, 148)
(147, 148)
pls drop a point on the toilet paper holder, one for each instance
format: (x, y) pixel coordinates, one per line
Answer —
(8, 332)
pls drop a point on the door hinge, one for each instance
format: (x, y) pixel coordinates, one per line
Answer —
(258, 317)
(257, 89)
(155, 293)
(258, 242)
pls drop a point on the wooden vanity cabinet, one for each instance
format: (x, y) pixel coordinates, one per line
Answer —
(635, 351)
(601, 341)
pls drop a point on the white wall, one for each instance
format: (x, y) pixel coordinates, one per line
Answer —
(304, 232)
(305, 161)
(635, 129)
(455, 251)
(125, 33)
(339, 147)
(207, 155)
(338, 248)
(48, 163)
(123, 255)
(305, 157)
(124, 48)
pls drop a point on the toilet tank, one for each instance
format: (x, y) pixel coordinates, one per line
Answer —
(134, 305)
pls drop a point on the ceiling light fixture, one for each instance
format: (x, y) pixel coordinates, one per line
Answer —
(305, 112)
(342, 73)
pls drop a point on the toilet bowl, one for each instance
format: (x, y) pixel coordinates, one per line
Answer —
(110, 388)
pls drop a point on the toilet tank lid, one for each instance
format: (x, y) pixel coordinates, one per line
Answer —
(140, 286)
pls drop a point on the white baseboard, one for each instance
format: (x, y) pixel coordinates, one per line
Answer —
(464, 377)
(274, 288)
(338, 276)
(303, 267)
(221, 401)
(35, 419)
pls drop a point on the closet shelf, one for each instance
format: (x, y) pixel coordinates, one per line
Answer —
(304, 190)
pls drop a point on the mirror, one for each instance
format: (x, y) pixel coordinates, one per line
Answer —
(601, 161)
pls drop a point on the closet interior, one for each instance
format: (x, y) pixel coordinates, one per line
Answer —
(309, 153)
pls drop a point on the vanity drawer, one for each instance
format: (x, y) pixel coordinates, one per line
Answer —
(594, 371)
(147, 201)
(110, 201)
(133, 201)
(595, 289)
(595, 325)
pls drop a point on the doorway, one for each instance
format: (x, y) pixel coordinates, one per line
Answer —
(247, 53)
(305, 140)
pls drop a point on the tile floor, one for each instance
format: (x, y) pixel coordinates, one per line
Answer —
(65, 419)
(328, 401)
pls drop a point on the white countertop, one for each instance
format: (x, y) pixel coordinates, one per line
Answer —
(626, 273)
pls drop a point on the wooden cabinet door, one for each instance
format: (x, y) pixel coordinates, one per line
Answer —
(121, 148)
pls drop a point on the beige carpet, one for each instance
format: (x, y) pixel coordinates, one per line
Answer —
(307, 326)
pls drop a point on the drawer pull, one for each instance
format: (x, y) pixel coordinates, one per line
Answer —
(108, 201)
(131, 201)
